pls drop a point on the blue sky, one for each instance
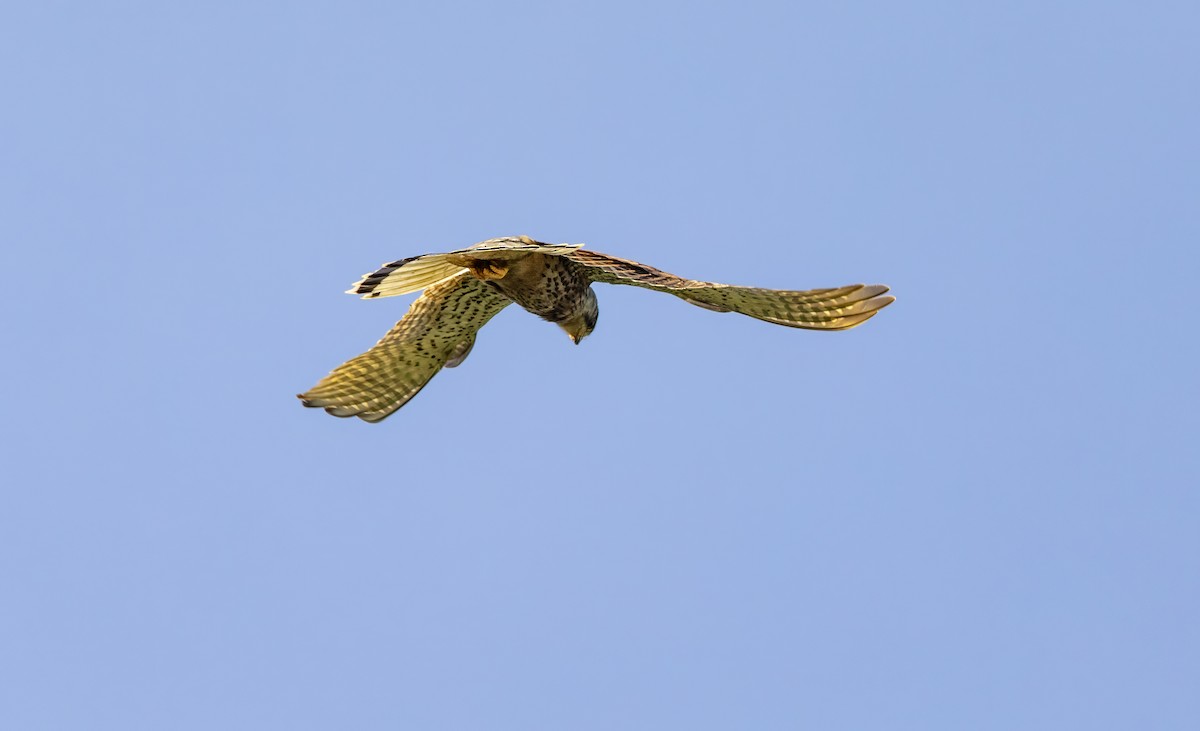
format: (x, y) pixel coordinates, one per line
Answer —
(977, 511)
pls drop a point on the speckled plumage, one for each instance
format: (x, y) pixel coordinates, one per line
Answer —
(438, 330)
(466, 288)
(551, 287)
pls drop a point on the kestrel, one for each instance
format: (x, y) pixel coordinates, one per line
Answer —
(466, 288)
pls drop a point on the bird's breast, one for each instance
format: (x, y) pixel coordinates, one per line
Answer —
(548, 286)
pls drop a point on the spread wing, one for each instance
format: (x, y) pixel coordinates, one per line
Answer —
(418, 272)
(437, 331)
(815, 309)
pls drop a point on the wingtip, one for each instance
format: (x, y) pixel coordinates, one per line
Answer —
(879, 301)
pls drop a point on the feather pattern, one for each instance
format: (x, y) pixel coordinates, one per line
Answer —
(839, 308)
(437, 331)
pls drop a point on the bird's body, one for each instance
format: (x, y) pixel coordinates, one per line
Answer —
(551, 287)
(464, 289)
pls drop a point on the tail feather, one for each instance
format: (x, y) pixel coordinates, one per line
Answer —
(405, 276)
(419, 272)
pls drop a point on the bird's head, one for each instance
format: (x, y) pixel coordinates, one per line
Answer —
(581, 324)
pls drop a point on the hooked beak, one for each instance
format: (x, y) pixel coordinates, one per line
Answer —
(576, 329)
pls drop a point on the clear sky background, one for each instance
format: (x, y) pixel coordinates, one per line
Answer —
(978, 511)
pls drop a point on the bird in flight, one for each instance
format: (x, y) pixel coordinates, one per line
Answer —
(466, 288)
